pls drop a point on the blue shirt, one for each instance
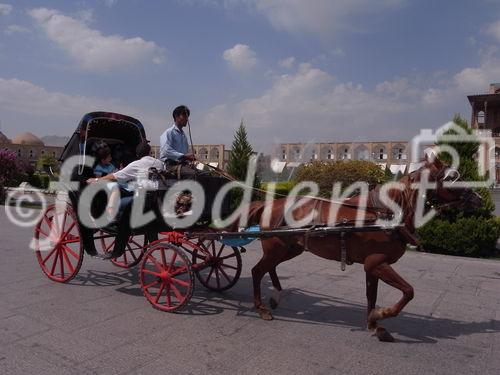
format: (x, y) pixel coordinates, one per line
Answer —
(102, 170)
(173, 144)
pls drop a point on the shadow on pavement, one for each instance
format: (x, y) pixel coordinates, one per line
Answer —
(297, 306)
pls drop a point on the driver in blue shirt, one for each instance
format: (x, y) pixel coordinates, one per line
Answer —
(174, 147)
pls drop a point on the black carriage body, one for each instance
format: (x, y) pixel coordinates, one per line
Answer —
(211, 186)
(109, 127)
(123, 133)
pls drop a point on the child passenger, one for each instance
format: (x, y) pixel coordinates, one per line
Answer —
(103, 168)
(104, 165)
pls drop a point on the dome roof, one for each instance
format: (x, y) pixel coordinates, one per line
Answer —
(3, 138)
(27, 139)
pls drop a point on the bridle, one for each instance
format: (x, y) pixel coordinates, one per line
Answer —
(432, 198)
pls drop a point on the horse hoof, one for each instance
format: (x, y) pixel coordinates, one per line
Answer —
(273, 303)
(266, 315)
(383, 335)
(378, 314)
(371, 326)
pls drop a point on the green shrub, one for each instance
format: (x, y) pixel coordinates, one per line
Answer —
(467, 236)
(46, 161)
(282, 189)
(45, 179)
(34, 180)
(39, 180)
(346, 172)
(452, 232)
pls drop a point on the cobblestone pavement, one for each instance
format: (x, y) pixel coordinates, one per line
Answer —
(101, 324)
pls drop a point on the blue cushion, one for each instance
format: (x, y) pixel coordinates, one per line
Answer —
(241, 241)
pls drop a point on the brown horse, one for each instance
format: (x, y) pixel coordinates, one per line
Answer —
(376, 251)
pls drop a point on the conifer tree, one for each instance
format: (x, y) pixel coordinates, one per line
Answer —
(241, 151)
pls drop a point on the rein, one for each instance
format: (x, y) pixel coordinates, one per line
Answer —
(226, 175)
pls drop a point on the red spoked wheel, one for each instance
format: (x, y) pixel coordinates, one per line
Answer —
(133, 252)
(57, 243)
(217, 266)
(166, 276)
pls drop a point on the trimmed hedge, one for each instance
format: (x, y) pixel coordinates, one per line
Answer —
(38, 180)
(466, 236)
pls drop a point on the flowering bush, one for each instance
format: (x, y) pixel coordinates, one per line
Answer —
(10, 167)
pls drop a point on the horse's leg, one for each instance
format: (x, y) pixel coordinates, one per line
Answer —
(258, 272)
(275, 299)
(273, 252)
(371, 297)
(388, 275)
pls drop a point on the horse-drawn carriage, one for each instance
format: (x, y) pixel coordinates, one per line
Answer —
(168, 264)
(170, 259)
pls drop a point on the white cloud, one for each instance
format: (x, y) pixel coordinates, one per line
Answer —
(494, 30)
(434, 97)
(25, 97)
(310, 105)
(399, 87)
(5, 9)
(110, 3)
(89, 48)
(16, 29)
(287, 63)
(240, 57)
(25, 102)
(323, 17)
(477, 79)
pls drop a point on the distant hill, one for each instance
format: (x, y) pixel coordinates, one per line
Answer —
(54, 140)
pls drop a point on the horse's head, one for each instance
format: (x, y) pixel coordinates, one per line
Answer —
(446, 195)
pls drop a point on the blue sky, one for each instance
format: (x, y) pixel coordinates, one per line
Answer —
(294, 70)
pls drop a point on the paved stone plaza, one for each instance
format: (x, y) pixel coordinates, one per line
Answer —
(101, 324)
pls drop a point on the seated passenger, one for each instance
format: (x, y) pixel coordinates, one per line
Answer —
(104, 165)
(135, 170)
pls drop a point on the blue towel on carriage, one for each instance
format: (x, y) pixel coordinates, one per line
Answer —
(241, 241)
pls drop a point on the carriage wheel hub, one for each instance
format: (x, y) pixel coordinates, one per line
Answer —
(165, 276)
(216, 262)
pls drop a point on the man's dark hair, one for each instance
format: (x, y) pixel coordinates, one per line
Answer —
(182, 109)
(143, 149)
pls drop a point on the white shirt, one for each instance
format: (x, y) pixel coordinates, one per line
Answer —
(138, 169)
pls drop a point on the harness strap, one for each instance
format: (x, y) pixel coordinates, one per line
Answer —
(343, 251)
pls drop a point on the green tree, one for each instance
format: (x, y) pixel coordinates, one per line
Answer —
(241, 151)
(468, 164)
(453, 231)
(46, 161)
